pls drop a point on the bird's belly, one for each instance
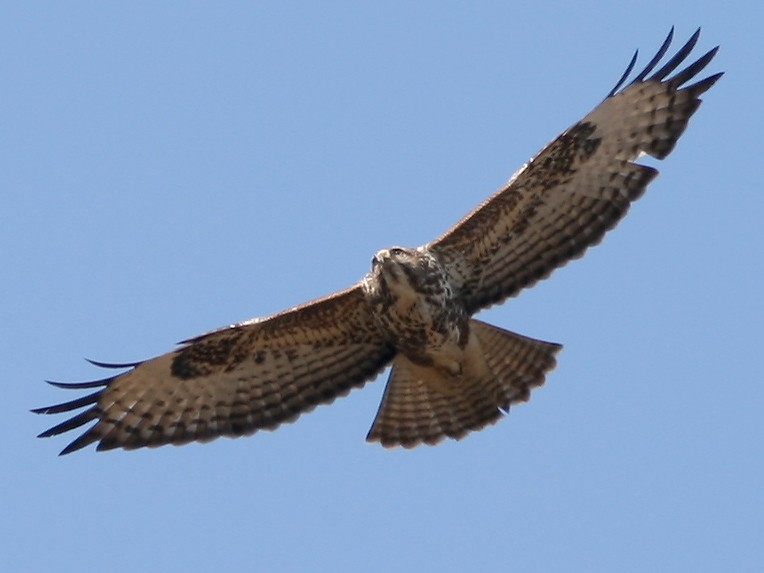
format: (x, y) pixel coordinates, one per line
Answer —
(427, 336)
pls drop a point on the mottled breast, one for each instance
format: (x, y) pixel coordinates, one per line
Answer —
(415, 304)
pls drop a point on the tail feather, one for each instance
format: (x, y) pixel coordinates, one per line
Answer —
(517, 362)
(424, 405)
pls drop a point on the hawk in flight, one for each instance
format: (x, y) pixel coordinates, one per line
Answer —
(451, 374)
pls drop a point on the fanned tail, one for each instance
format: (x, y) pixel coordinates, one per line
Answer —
(424, 405)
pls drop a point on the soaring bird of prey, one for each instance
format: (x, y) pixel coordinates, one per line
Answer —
(451, 374)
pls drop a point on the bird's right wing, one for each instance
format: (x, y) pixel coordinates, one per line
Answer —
(234, 381)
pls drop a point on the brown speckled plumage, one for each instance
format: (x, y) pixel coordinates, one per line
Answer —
(451, 374)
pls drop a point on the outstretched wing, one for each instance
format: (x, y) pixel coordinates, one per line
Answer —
(577, 188)
(234, 381)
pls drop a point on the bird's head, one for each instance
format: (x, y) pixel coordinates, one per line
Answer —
(394, 262)
(401, 271)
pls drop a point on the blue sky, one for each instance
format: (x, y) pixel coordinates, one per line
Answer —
(168, 168)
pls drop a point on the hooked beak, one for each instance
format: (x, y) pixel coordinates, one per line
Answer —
(378, 258)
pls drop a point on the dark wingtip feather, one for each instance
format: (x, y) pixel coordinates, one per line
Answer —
(704, 84)
(693, 69)
(107, 444)
(656, 58)
(84, 417)
(78, 420)
(81, 385)
(84, 440)
(625, 74)
(71, 405)
(678, 58)
(70, 424)
(113, 365)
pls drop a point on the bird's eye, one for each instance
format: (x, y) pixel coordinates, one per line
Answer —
(395, 251)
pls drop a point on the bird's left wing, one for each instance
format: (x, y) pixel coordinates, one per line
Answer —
(234, 381)
(577, 188)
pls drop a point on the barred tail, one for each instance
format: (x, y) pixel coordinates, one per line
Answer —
(424, 405)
